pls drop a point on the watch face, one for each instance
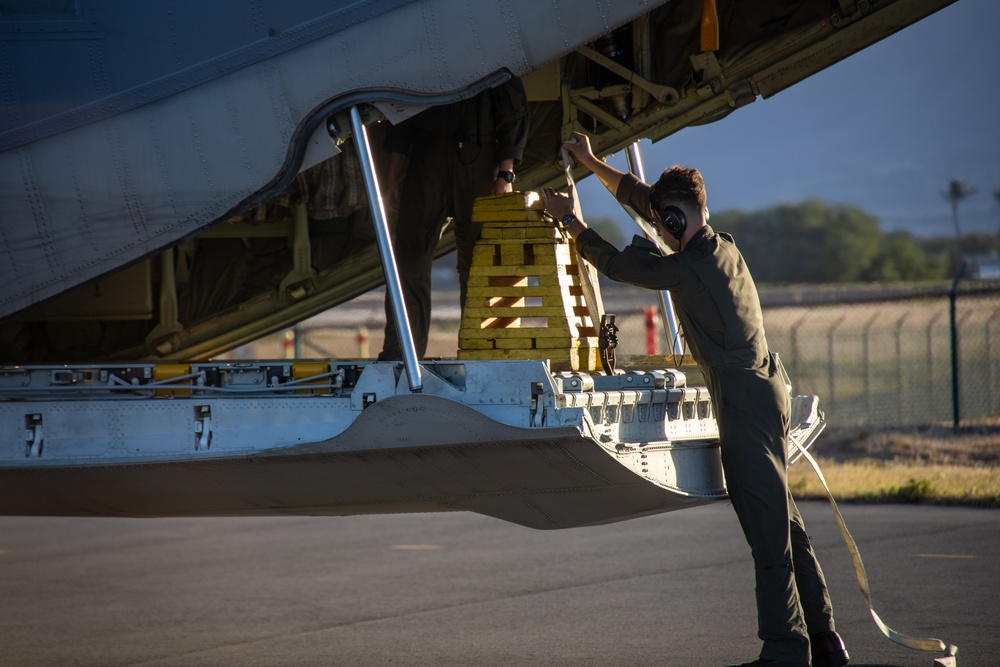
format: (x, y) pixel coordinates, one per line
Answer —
(506, 175)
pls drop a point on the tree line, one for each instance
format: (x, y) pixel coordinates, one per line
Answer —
(817, 242)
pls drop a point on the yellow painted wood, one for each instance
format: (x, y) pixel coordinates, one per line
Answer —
(510, 200)
(518, 254)
(484, 307)
(538, 242)
(555, 291)
(546, 232)
(534, 271)
(507, 223)
(521, 344)
(567, 310)
(526, 342)
(516, 198)
(562, 332)
(524, 298)
(560, 359)
(504, 215)
(550, 281)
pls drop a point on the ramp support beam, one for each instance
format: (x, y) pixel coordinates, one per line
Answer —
(392, 281)
(667, 316)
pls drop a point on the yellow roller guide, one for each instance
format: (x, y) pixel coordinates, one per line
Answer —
(167, 372)
(307, 369)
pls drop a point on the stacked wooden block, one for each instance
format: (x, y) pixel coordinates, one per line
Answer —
(524, 298)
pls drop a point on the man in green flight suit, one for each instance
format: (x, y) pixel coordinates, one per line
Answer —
(719, 311)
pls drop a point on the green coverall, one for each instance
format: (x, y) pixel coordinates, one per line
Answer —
(719, 310)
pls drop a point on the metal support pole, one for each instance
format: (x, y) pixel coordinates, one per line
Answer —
(392, 282)
(956, 416)
(667, 316)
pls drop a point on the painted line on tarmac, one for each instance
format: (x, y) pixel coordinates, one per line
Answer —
(416, 547)
(943, 556)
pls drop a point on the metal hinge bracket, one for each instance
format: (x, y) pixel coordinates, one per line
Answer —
(849, 12)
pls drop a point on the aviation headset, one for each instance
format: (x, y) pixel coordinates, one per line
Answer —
(673, 219)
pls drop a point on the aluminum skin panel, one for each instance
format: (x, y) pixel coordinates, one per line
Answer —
(180, 148)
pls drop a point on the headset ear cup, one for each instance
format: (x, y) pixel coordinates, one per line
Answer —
(674, 221)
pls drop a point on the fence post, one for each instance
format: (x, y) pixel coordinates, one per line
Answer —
(866, 344)
(956, 417)
(362, 340)
(795, 344)
(832, 368)
(930, 363)
(991, 381)
(899, 366)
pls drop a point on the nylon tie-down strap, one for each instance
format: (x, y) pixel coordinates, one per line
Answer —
(916, 643)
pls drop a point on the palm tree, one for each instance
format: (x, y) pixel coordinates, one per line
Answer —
(996, 195)
(956, 192)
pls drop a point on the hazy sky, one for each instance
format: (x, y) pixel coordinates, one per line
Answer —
(886, 129)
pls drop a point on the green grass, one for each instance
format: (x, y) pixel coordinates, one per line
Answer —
(933, 466)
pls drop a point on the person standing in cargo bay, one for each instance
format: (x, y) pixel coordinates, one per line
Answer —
(452, 154)
(719, 311)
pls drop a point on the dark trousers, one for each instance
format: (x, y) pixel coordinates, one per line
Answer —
(752, 409)
(441, 182)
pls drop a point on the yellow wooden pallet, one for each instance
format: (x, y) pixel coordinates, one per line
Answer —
(524, 298)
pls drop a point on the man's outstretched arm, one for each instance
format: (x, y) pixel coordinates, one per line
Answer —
(579, 146)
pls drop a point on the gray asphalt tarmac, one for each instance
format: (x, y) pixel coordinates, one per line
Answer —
(460, 589)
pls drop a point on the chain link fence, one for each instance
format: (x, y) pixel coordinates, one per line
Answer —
(899, 362)
(876, 356)
(886, 356)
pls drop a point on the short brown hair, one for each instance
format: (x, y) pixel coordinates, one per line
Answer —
(680, 184)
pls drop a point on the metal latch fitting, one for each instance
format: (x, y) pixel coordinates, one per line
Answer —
(33, 439)
(607, 341)
(537, 413)
(202, 427)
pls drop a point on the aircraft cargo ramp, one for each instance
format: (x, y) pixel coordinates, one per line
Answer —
(506, 439)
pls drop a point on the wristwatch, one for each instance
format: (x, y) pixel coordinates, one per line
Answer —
(506, 175)
(568, 220)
